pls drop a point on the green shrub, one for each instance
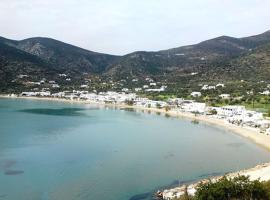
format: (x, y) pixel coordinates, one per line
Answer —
(240, 187)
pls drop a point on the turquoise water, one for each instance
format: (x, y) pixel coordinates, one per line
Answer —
(58, 151)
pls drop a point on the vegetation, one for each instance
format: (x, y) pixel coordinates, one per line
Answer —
(223, 59)
(237, 188)
(167, 108)
(129, 102)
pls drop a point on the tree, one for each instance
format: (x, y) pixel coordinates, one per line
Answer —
(129, 102)
(213, 112)
(185, 196)
(167, 108)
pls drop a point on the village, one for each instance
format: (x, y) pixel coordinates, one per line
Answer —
(234, 114)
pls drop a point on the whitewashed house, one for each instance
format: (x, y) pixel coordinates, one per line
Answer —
(208, 87)
(225, 96)
(137, 89)
(45, 94)
(228, 111)
(220, 85)
(266, 92)
(161, 89)
(194, 107)
(84, 86)
(195, 94)
(55, 86)
(58, 94)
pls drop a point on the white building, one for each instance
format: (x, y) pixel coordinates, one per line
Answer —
(195, 94)
(266, 92)
(45, 94)
(249, 118)
(138, 89)
(22, 76)
(225, 96)
(55, 86)
(194, 107)
(59, 94)
(208, 87)
(220, 85)
(30, 94)
(229, 111)
(161, 89)
(149, 80)
(84, 86)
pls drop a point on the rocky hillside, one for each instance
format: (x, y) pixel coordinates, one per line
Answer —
(14, 62)
(62, 56)
(188, 58)
(222, 58)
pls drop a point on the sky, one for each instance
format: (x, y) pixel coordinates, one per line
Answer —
(122, 26)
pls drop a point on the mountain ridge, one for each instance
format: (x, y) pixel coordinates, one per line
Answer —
(41, 54)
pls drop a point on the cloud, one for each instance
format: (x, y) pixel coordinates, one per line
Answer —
(123, 26)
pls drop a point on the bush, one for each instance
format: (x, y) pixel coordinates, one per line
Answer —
(239, 187)
(213, 112)
(129, 102)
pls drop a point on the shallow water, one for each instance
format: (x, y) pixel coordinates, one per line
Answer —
(56, 151)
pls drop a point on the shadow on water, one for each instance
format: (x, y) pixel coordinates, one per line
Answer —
(55, 112)
(151, 194)
(3, 196)
(128, 109)
(7, 165)
(235, 144)
(195, 121)
(13, 172)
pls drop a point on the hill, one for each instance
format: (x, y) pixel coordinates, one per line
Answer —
(62, 56)
(220, 59)
(14, 62)
(187, 59)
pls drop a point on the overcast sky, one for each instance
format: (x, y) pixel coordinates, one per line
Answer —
(123, 26)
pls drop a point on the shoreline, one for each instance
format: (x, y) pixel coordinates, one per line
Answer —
(260, 172)
(251, 134)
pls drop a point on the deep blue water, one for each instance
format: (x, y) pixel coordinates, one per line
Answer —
(61, 151)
